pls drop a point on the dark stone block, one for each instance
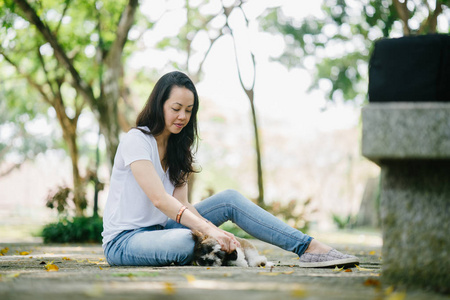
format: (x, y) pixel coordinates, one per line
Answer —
(410, 69)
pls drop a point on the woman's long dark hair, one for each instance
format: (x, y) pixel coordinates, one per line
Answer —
(178, 157)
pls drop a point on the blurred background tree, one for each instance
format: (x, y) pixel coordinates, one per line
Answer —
(18, 141)
(336, 47)
(70, 55)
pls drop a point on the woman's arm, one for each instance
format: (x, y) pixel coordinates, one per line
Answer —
(147, 178)
(181, 194)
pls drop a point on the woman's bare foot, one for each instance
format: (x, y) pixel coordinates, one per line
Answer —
(316, 247)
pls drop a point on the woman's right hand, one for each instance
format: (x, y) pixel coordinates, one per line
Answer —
(227, 242)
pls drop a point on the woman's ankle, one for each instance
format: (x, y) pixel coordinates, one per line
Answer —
(316, 247)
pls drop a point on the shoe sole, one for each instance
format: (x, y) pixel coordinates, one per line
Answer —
(344, 262)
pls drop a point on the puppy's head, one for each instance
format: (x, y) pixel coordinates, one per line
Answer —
(207, 251)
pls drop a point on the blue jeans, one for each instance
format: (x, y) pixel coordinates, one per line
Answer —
(173, 244)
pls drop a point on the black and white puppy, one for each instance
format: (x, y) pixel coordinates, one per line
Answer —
(207, 252)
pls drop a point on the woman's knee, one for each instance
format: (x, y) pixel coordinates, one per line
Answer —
(233, 197)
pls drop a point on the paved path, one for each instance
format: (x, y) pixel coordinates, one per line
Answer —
(84, 274)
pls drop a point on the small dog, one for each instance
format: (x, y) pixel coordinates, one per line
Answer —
(207, 252)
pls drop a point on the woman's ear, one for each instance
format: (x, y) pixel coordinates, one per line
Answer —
(197, 236)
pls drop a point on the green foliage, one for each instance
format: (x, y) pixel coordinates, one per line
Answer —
(18, 143)
(344, 222)
(234, 229)
(336, 47)
(76, 230)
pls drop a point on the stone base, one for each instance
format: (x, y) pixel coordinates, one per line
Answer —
(415, 216)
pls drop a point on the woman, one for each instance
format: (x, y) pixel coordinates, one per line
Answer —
(148, 219)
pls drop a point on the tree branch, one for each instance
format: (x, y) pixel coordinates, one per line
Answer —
(125, 23)
(430, 24)
(249, 91)
(28, 78)
(30, 15)
(211, 43)
(403, 13)
(62, 17)
(251, 53)
(10, 169)
(41, 60)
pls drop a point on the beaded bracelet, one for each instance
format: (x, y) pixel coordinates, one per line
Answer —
(180, 213)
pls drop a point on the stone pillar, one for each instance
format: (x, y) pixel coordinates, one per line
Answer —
(410, 141)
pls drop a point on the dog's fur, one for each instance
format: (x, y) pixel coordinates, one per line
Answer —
(207, 252)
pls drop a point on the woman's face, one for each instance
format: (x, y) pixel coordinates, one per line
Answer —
(178, 109)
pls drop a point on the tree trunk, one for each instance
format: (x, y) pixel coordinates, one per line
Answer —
(260, 199)
(109, 124)
(69, 128)
(79, 189)
(107, 104)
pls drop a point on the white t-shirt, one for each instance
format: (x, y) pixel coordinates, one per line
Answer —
(127, 206)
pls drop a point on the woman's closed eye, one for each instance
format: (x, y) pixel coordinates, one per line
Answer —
(177, 109)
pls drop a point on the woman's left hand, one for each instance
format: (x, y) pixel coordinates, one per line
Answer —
(232, 237)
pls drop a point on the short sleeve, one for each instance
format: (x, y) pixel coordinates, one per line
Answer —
(136, 146)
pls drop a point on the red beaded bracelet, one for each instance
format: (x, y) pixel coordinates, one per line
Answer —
(180, 213)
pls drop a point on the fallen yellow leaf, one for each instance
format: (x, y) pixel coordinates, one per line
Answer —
(389, 290)
(24, 252)
(372, 282)
(373, 252)
(50, 267)
(397, 296)
(348, 270)
(336, 269)
(298, 293)
(190, 278)
(14, 275)
(169, 288)
(96, 291)
(4, 251)
(269, 273)
(363, 269)
(66, 258)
